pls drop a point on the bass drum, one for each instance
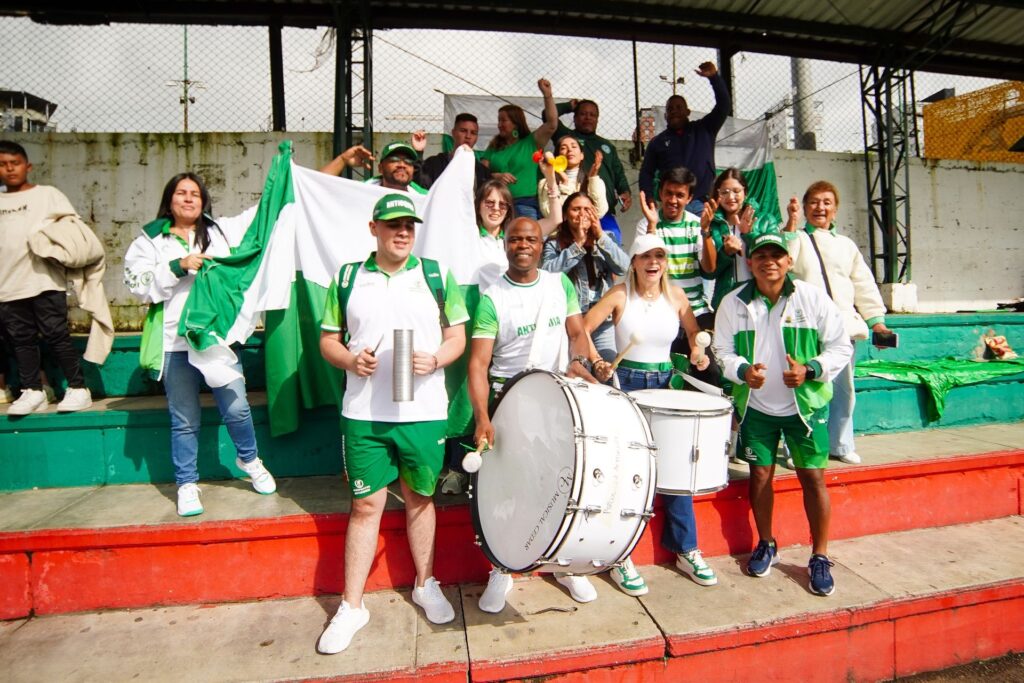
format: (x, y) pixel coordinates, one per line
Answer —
(569, 484)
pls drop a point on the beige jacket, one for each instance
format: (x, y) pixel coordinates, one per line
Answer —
(71, 243)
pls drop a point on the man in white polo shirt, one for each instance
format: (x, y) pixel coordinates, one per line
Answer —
(384, 439)
(524, 303)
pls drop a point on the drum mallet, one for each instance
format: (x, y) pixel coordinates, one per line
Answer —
(472, 461)
(634, 339)
(703, 341)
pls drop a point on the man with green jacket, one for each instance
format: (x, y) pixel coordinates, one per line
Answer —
(781, 342)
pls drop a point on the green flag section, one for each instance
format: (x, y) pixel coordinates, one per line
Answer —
(298, 377)
(746, 145)
(222, 306)
(306, 226)
(940, 376)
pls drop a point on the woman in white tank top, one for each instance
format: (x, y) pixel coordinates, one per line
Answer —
(648, 312)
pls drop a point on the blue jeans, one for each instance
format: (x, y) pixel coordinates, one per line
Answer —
(182, 382)
(680, 532)
(527, 207)
(840, 418)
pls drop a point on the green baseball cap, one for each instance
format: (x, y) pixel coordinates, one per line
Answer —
(395, 205)
(398, 147)
(768, 239)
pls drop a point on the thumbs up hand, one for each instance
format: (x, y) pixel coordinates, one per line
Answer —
(796, 374)
(754, 376)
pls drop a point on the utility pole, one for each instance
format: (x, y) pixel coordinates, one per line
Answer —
(186, 98)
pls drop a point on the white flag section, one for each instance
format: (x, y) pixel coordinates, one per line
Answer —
(485, 109)
(326, 226)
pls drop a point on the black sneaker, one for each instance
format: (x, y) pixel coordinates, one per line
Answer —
(821, 577)
(764, 556)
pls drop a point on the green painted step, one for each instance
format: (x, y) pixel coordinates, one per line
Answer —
(922, 337)
(127, 441)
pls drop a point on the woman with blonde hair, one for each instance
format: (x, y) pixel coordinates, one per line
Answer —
(649, 311)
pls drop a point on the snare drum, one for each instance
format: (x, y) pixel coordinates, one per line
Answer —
(569, 484)
(691, 430)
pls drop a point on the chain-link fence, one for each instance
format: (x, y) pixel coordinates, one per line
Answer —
(163, 78)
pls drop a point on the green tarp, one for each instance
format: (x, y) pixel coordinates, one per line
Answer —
(939, 376)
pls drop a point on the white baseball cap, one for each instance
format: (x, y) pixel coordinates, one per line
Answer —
(644, 243)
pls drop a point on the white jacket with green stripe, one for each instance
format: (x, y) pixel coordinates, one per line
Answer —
(812, 333)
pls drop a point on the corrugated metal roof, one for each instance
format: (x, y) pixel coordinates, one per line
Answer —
(983, 38)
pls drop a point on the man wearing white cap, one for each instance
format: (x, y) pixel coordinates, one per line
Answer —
(385, 439)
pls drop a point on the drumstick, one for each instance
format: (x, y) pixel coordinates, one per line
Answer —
(634, 339)
(703, 341)
(471, 463)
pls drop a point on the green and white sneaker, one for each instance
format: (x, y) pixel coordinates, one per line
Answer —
(693, 565)
(628, 579)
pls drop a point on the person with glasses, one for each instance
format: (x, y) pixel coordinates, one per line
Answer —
(781, 342)
(646, 306)
(732, 219)
(397, 166)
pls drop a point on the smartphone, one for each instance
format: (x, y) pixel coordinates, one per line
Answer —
(889, 340)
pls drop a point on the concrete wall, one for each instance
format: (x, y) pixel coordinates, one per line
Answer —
(967, 239)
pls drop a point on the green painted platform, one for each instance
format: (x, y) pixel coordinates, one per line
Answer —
(125, 439)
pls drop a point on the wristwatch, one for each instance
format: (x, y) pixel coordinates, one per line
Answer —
(582, 360)
(811, 374)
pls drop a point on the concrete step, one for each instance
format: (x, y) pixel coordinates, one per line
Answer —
(73, 549)
(905, 602)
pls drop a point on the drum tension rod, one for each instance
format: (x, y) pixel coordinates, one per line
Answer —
(628, 512)
(586, 509)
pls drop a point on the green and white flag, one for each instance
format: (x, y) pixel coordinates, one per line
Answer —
(306, 226)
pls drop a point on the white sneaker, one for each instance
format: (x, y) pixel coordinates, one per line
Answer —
(693, 565)
(189, 504)
(344, 625)
(432, 600)
(579, 587)
(499, 584)
(30, 401)
(262, 480)
(454, 483)
(850, 458)
(6, 396)
(628, 579)
(75, 399)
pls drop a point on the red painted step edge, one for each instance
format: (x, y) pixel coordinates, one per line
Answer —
(896, 637)
(66, 570)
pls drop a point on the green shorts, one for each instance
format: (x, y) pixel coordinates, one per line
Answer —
(377, 453)
(760, 434)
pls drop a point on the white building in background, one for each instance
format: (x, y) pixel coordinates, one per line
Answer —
(23, 112)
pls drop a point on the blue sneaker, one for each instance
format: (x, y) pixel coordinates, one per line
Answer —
(764, 556)
(821, 577)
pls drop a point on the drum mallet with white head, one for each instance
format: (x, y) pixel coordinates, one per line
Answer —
(703, 341)
(634, 339)
(472, 461)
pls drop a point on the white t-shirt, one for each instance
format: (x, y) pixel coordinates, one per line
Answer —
(511, 313)
(774, 397)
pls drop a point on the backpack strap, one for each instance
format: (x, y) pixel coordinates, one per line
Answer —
(432, 275)
(346, 280)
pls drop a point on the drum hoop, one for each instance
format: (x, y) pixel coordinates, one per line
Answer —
(577, 480)
(685, 412)
(700, 492)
